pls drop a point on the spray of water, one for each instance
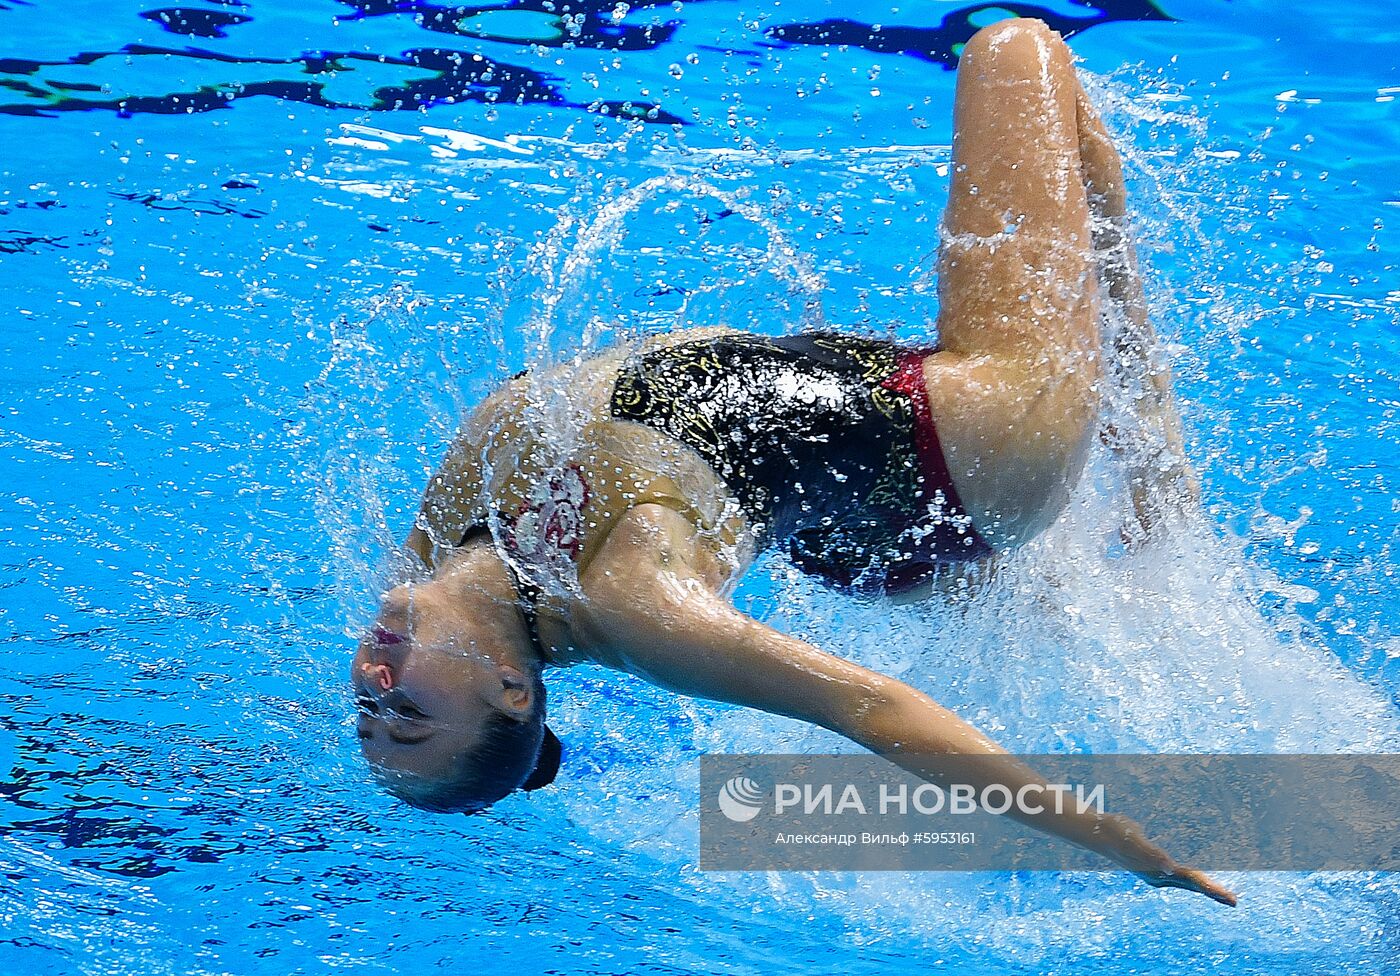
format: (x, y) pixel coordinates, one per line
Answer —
(1080, 643)
(1074, 643)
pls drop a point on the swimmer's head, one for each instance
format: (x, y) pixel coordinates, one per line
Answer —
(451, 703)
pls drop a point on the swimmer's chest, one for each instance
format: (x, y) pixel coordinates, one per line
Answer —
(803, 439)
(556, 496)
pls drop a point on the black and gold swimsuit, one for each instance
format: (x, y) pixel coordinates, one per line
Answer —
(827, 442)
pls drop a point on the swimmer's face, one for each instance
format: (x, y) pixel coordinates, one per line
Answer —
(427, 684)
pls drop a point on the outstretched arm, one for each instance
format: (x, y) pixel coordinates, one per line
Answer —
(653, 610)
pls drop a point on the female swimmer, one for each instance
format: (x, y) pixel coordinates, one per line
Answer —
(876, 465)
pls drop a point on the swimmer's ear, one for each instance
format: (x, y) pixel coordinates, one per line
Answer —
(547, 765)
(514, 695)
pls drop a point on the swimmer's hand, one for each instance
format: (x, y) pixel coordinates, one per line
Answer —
(1129, 846)
(1148, 435)
(1191, 880)
(1162, 492)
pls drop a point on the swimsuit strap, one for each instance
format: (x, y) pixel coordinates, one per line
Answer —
(528, 599)
(908, 379)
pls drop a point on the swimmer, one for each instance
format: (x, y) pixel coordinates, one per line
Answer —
(880, 468)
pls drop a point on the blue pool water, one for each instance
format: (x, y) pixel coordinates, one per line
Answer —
(257, 257)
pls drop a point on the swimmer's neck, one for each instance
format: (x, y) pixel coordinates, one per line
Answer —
(481, 588)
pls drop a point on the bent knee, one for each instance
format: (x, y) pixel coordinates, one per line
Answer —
(1020, 48)
(1011, 36)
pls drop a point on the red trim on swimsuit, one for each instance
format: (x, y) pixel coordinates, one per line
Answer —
(908, 379)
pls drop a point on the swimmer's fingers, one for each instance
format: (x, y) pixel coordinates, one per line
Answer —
(1163, 485)
(1125, 842)
(1191, 880)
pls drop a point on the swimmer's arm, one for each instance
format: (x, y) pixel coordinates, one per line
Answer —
(650, 612)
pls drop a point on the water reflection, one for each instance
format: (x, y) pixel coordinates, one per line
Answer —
(135, 79)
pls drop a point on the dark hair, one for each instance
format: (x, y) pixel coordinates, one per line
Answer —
(510, 755)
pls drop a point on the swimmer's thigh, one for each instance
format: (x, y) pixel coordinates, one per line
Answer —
(1013, 385)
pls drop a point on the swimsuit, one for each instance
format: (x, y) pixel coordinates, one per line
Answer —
(822, 443)
(826, 441)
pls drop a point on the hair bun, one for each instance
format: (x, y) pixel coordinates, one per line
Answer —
(547, 763)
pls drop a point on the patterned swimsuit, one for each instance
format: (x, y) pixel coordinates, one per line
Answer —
(827, 442)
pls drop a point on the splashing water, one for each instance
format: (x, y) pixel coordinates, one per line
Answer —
(567, 287)
(262, 406)
(1074, 643)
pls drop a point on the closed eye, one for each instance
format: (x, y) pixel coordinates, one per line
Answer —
(367, 705)
(410, 711)
(406, 739)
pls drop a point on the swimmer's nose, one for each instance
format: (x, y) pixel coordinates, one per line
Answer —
(378, 675)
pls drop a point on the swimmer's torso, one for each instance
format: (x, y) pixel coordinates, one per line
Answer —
(819, 442)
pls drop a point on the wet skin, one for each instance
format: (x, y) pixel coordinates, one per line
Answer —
(428, 675)
(1014, 392)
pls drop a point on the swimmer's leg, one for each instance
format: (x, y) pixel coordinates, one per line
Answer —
(1014, 388)
(1160, 473)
